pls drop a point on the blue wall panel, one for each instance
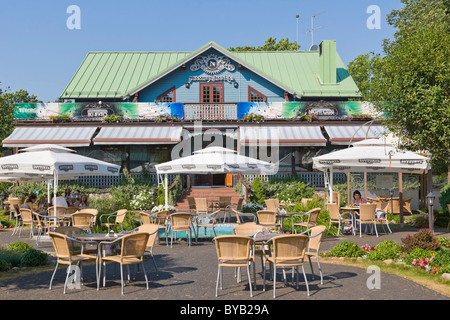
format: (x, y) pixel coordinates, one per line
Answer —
(243, 77)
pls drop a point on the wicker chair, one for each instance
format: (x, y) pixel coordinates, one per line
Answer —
(191, 203)
(152, 230)
(233, 251)
(224, 203)
(65, 255)
(180, 222)
(83, 221)
(336, 197)
(241, 216)
(114, 219)
(201, 205)
(43, 225)
(58, 211)
(367, 214)
(132, 250)
(71, 210)
(270, 205)
(267, 218)
(206, 220)
(145, 218)
(27, 219)
(337, 217)
(288, 252)
(313, 216)
(77, 247)
(315, 240)
(14, 205)
(89, 210)
(250, 229)
(162, 220)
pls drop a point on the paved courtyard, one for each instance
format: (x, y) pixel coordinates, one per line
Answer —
(189, 273)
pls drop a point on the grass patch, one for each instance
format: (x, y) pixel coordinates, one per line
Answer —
(431, 281)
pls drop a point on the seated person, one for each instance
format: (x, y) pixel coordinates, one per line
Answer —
(29, 204)
(69, 197)
(84, 203)
(59, 201)
(357, 200)
(42, 204)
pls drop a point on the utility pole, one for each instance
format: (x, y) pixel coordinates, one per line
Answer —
(314, 28)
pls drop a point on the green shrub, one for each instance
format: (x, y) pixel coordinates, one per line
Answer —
(441, 263)
(444, 198)
(257, 192)
(388, 249)
(423, 239)
(251, 208)
(34, 258)
(4, 265)
(418, 254)
(347, 249)
(19, 247)
(13, 258)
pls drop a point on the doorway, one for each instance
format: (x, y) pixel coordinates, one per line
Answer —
(211, 93)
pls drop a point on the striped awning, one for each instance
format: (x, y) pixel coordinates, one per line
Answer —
(343, 135)
(286, 136)
(138, 135)
(65, 136)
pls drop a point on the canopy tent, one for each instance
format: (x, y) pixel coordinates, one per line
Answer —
(213, 160)
(371, 155)
(52, 162)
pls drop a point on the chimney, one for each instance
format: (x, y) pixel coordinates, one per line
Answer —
(327, 61)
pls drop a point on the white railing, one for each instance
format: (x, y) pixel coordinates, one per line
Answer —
(310, 178)
(103, 182)
(210, 111)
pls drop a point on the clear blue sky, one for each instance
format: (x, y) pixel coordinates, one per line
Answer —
(40, 54)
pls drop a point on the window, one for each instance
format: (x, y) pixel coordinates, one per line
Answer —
(211, 93)
(255, 95)
(167, 96)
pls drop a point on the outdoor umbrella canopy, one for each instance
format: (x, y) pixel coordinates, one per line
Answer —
(44, 161)
(52, 162)
(372, 155)
(214, 160)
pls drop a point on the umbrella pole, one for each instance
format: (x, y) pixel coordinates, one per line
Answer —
(166, 190)
(331, 185)
(55, 189)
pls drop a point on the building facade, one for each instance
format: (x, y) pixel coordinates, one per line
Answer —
(138, 109)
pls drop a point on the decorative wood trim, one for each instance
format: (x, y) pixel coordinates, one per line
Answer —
(173, 90)
(257, 92)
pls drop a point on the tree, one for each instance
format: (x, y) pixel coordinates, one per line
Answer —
(7, 103)
(410, 82)
(271, 44)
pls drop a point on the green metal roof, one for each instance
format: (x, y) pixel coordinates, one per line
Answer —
(121, 74)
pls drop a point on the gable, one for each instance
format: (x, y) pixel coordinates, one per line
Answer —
(122, 74)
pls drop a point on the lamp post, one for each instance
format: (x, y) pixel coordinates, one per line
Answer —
(430, 201)
(391, 193)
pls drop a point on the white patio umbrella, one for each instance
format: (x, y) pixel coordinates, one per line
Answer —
(52, 162)
(372, 155)
(213, 160)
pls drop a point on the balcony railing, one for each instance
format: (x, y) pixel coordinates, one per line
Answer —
(210, 111)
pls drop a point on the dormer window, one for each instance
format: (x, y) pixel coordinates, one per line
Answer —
(255, 95)
(167, 97)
